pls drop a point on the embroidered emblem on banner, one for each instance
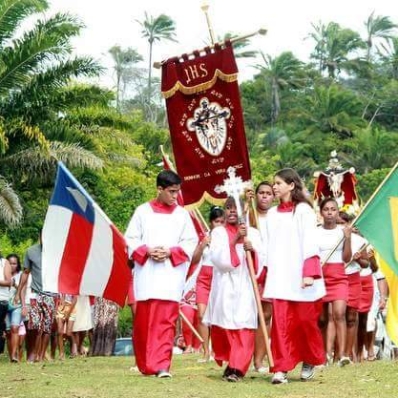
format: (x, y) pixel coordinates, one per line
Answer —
(209, 123)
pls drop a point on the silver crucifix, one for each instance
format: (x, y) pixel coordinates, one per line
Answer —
(234, 186)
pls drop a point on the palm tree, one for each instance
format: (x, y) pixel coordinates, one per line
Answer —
(378, 27)
(35, 95)
(240, 47)
(331, 109)
(334, 47)
(389, 57)
(124, 61)
(154, 29)
(377, 149)
(282, 72)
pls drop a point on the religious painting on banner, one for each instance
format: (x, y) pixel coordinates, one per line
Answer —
(205, 121)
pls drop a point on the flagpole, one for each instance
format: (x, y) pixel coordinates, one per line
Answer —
(205, 8)
(362, 210)
(362, 248)
(261, 31)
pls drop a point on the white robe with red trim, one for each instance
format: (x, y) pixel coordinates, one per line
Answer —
(291, 238)
(232, 303)
(160, 280)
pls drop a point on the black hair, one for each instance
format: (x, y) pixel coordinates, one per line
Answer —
(290, 176)
(346, 217)
(216, 212)
(18, 260)
(263, 183)
(167, 178)
(327, 200)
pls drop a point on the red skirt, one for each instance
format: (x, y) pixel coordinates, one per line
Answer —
(336, 282)
(295, 335)
(367, 293)
(354, 290)
(203, 284)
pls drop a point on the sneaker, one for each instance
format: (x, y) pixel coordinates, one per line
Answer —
(343, 361)
(163, 374)
(307, 372)
(177, 350)
(279, 378)
(233, 378)
(261, 369)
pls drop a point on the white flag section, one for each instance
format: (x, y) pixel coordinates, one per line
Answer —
(83, 252)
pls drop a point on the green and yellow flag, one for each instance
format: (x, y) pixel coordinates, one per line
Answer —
(378, 222)
(392, 307)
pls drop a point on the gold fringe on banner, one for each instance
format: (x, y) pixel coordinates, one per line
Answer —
(206, 197)
(202, 86)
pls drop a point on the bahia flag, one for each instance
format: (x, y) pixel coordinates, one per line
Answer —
(378, 222)
(83, 252)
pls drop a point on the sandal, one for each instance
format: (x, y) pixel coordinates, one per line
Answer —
(371, 358)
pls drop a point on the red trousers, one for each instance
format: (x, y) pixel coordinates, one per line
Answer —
(233, 346)
(295, 334)
(153, 334)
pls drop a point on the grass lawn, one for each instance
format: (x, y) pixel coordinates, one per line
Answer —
(111, 377)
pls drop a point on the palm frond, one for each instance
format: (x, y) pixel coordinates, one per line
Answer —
(10, 205)
(30, 132)
(48, 41)
(44, 89)
(13, 12)
(33, 164)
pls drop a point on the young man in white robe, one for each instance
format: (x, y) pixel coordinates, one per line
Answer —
(231, 310)
(161, 239)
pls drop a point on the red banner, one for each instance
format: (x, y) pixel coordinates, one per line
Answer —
(206, 121)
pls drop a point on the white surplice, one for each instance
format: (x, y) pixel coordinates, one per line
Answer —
(160, 280)
(291, 238)
(232, 303)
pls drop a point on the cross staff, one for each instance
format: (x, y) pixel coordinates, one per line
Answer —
(234, 186)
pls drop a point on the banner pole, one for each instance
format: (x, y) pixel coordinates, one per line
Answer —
(261, 31)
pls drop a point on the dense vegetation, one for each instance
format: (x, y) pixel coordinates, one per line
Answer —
(345, 98)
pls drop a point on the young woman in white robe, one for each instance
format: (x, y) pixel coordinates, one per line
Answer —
(231, 310)
(294, 280)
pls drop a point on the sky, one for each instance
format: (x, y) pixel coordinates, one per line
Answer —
(288, 23)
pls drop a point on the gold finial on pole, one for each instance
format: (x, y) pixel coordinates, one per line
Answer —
(205, 8)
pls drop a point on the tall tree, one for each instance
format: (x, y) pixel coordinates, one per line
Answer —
(336, 49)
(378, 27)
(282, 72)
(124, 61)
(155, 29)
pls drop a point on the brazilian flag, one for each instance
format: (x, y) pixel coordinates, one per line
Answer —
(378, 222)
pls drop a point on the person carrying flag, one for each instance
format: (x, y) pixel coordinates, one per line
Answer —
(161, 239)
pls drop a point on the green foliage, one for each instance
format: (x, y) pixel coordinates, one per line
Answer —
(7, 246)
(368, 183)
(124, 327)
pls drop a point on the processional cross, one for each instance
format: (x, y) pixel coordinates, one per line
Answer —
(234, 186)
